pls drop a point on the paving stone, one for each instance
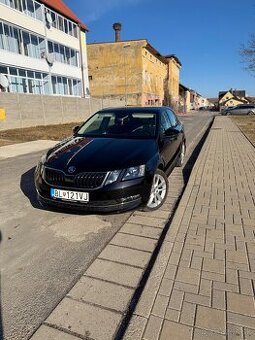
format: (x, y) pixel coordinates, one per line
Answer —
(149, 221)
(135, 328)
(85, 319)
(231, 276)
(198, 299)
(237, 256)
(166, 287)
(159, 213)
(219, 299)
(115, 272)
(188, 313)
(172, 315)
(202, 334)
(49, 333)
(215, 266)
(211, 319)
(160, 304)
(205, 287)
(171, 270)
(249, 333)
(225, 286)
(242, 320)
(185, 287)
(141, 230)
(134, 242)
(176, 331)
(241, 304)
(102, 293)
(153, 328)
(125, 255)
(246, 287)
(188, 275)
(176, 299)
(234, 332)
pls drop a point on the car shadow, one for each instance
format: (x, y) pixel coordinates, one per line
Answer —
(27, 186)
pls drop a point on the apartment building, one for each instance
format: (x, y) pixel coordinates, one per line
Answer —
(42, 49)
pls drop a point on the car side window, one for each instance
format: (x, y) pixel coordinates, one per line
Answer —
(165, 122)
(172, 117)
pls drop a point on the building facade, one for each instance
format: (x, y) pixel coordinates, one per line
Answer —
(42, 49)
(232, 98)
(135, 71)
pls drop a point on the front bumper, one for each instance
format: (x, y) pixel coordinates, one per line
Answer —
(119, 196)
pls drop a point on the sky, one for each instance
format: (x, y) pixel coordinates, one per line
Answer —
(206, 35)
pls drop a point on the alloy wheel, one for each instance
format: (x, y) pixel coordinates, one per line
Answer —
(158, 192)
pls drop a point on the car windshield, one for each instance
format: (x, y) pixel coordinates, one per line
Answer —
(120, 124)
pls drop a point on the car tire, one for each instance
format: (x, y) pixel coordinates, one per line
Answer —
(159, 191)
(180, 159)
(251, 113)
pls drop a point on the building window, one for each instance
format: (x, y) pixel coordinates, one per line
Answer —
(29, 7)
(90, 78)
(61, 23)
(21, 42)
(66, 86)
(63, 54)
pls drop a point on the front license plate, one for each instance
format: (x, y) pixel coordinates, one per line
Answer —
(69, 195)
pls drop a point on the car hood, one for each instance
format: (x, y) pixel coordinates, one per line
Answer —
(100, 154)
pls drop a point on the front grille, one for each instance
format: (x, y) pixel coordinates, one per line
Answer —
(85, 180)
(89, 180)
(55, 177)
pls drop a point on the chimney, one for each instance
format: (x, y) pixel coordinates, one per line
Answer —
(117, 28)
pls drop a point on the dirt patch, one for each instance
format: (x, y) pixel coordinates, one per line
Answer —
(247, 125)
(49, 132)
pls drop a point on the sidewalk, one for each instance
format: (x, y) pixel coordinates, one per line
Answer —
(20, 149)
(202, 284)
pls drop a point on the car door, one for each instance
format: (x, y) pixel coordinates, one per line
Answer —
(240, 110)
(177, 129)
(167, 141)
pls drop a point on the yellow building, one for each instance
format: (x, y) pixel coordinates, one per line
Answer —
(232, 98)
(134, 71)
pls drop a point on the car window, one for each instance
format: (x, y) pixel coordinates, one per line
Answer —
(165, 122)
(172, 117)
(120, 124)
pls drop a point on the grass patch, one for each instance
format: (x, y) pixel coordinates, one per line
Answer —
(49, 132)
(247, 125)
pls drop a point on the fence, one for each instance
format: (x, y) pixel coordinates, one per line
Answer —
(24, 110)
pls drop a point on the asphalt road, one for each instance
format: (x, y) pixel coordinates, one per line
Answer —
(43, 253)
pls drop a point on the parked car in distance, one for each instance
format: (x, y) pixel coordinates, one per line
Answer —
(117, 160)
(242, 109)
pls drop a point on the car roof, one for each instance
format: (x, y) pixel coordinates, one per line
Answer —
(134, 108)
(248, 104)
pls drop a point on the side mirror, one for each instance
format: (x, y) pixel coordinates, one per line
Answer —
(170, 132)
(75, 129)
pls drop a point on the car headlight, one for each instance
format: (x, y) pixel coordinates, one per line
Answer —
(134, 172)
(43, 159)
(112, 177)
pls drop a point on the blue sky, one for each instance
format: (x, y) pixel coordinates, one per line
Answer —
(206, 35)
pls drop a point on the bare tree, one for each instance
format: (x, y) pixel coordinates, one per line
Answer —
(248, 54)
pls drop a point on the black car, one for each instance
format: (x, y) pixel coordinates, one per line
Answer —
(117, 160)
